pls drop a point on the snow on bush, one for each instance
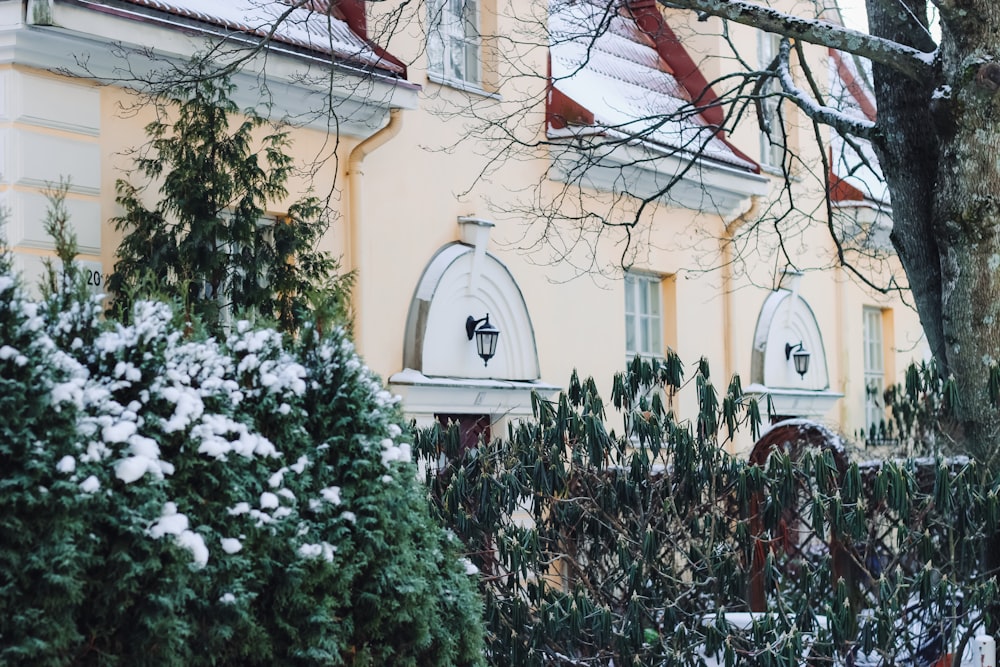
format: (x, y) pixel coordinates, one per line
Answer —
(170, 500)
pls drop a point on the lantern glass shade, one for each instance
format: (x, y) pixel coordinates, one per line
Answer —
(486, 337)
(799, 356)
(486, 341)
(801, 360)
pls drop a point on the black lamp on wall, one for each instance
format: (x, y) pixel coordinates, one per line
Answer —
(486, 337)
(799, 356)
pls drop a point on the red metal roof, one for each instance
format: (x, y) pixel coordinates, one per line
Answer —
(619, 70)
(855, 174)
(311, 30)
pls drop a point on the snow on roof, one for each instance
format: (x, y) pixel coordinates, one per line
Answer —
(604, 63)
(299, 27)
(851, 93)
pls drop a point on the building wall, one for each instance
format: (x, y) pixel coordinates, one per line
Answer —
(413, 189)
(579, 320)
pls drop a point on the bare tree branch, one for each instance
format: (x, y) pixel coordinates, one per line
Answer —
(826, 115)
(907, 60)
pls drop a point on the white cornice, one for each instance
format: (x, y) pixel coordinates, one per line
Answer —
(798, 402)
(866, 222)
(422, 395)
(639, 170)
(306, 91)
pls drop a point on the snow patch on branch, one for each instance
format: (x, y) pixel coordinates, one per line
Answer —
(827, 115)
(322, 550)
(172, 522)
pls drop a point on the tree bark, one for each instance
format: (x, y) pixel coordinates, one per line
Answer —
(908, 151)
(939, 147)
(967, 214)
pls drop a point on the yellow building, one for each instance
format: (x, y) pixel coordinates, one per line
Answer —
(584, 245)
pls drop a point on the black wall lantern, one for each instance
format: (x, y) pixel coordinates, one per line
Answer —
(486, 337)
(800, 357)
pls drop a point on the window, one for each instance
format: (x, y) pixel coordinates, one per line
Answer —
(643, 316)
(772, 135)
(242, 277)
(874, 360)
(454, 41)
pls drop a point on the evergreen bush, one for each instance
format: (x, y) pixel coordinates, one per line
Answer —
(208, 238)
(170, 499)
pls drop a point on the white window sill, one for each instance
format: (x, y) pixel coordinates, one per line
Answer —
(779, 172)
(629, 356)
(774, 170)
(464, 86)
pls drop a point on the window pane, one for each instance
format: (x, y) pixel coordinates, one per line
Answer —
(772, 138)
(455, 63)
(643, 316)
(654, 297)
(470, 14)
(471, 73)
(435, 35)
(874, 367)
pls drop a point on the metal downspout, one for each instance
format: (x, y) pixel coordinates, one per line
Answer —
(729, 332)
(354, 242)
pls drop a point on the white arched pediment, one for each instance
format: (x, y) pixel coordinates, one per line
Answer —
(462, 281)
(786, 319)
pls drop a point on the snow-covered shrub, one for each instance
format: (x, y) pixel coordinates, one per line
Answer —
(43, 551)
(178, 501)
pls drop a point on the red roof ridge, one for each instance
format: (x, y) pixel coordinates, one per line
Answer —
(857, 91)
(649, 18)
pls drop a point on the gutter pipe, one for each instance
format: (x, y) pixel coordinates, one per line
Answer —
(354, 243)
(728, 317)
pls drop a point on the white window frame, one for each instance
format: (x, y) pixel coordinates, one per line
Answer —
(874, 366)
(644, 316)
(773, 138)
(266, 222)
(454, 42)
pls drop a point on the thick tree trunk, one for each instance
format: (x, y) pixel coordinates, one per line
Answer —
(908, 152)
(967, 215)
(941, 157)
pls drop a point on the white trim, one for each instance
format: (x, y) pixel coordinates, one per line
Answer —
(464, 86)
(435, 341)
(785, 318)
(298, 86)
(28, 161)
(644, 321)
(449, 39)
(797, 402)
(866, 222)
(873, 363)
(50, 103)
(642, 171)
(423, 396)
(27, 209)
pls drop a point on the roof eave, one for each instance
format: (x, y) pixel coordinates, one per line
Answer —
(385, 66)
(89, 44)
(642, 170)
